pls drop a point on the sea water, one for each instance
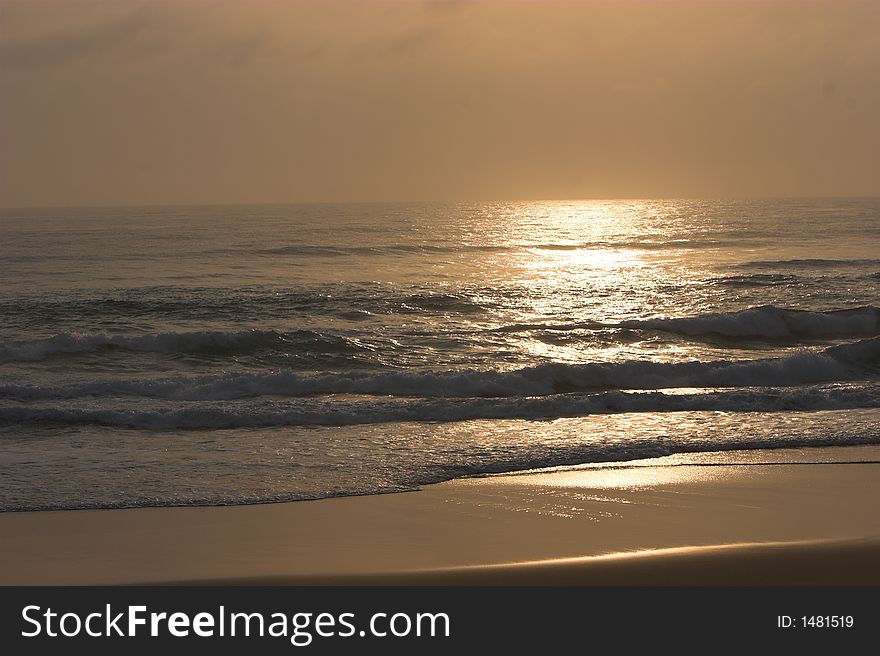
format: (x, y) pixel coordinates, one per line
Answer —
(216, 355)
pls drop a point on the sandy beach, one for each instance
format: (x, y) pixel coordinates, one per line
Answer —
(781, 517)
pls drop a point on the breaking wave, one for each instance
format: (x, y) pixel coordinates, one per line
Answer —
(846, 362)
(322, 412)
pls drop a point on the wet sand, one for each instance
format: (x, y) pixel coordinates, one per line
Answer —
(785, 517)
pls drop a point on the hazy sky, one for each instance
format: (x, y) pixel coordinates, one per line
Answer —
(216, 101)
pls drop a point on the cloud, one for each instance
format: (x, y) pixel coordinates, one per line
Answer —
(448, 5)
(226, 101)
(65, 46)
(403, 44)
(241, 50)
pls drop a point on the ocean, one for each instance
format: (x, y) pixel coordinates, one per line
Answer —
(161, 356)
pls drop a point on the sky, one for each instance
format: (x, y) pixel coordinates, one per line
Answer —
(130, 102)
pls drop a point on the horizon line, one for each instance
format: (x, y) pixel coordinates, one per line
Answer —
(160, 204)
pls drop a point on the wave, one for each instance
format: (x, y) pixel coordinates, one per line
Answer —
(313, 250)
(798, 279)
(310, 250)
(306, 412)
(846, 362)
(197, 342)
(766, 322)
(255, 304)
(810, 263)
(757, 280)
(771, 322)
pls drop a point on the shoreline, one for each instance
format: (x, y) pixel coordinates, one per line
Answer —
(722, 458)
(771, 517)
(831, 562)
